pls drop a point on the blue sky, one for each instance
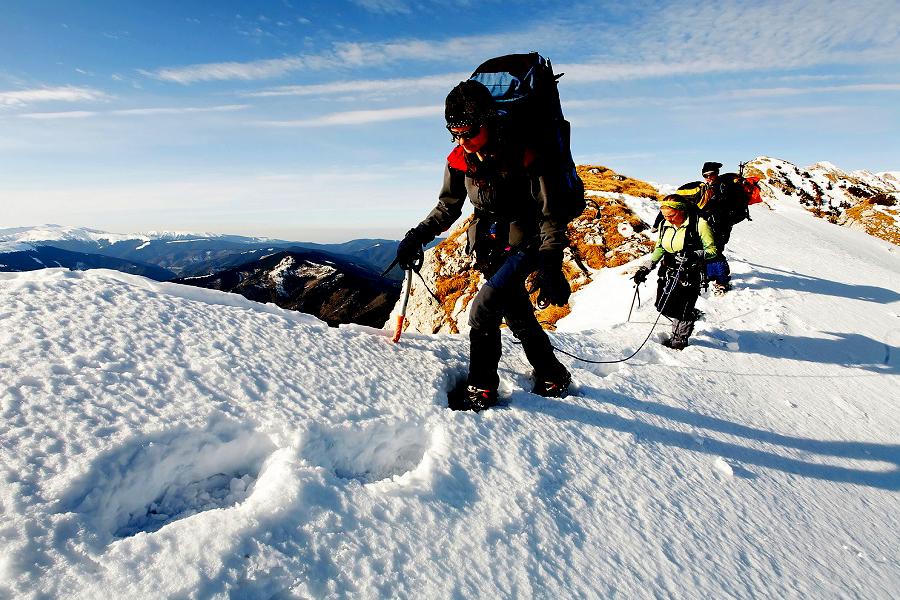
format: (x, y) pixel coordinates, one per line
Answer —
(322, 121)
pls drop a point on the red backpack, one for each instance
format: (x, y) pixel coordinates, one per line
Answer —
(751, 187)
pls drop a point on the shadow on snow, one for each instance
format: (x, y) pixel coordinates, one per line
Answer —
(850, 350)
(769, 277)
(647, 432)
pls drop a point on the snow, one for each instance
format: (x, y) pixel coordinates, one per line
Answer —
(278, 272)
(10, 246)
(160, 440)
(50, 233)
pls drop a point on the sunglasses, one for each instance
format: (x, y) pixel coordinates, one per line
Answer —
(464, 135)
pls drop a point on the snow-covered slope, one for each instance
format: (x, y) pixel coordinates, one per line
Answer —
(165, 441)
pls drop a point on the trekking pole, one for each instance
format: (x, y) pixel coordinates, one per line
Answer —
(401, 318)
(637, 296)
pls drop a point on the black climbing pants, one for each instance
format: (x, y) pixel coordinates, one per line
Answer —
(504, 296)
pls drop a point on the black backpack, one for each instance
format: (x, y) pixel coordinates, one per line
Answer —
(731, 201)
(525, 94)
(736, 198)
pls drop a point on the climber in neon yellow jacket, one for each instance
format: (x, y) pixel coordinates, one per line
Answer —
(685, 241)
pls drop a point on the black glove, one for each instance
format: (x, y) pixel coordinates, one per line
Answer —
(553, 286)
(640, 276)
(409, 252)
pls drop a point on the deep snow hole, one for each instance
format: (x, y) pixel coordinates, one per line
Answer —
(147, 483)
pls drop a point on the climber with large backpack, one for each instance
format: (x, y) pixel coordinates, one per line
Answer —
(723, 203)
(513, 162)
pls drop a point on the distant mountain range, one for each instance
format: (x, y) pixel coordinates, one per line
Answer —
(334, 290)
(185, 254)
(31, 258)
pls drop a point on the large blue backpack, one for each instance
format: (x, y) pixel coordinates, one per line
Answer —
(526, 96)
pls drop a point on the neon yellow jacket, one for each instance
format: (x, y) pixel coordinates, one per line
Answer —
(671, 239)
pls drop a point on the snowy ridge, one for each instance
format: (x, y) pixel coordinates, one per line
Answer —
(51, 233)
(860, 199)
(160, 440)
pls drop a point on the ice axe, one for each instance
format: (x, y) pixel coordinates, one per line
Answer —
(401, 318)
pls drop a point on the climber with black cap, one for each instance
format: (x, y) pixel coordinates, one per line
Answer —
(515, 232)
(713, 205)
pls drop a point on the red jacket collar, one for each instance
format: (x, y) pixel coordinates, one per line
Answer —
(457, 158)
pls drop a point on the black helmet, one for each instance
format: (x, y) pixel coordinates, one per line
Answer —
(469, 103)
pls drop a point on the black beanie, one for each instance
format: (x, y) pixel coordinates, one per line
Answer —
(469, 103)
(710, 166)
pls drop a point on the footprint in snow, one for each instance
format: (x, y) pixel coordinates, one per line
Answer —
(367, 452)
(150, 482)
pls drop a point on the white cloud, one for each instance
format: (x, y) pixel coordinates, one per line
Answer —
(789, 111)
(384, 6)
(764, 35)
(140, 112)
(364, 86)
(798, 91)
(71, 114)
(56, 94)
(470, 49)
(594, 72)
(359, 117)
(683, 39)
(178, 110)
(260, 69)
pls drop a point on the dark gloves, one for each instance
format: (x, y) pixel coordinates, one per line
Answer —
(640, 276)
(553, 286)
(409, 252)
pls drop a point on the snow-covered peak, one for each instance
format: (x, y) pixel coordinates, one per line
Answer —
(824, 165)
(892, 176)
(179, 235)
(51, 232)
(56, 233)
